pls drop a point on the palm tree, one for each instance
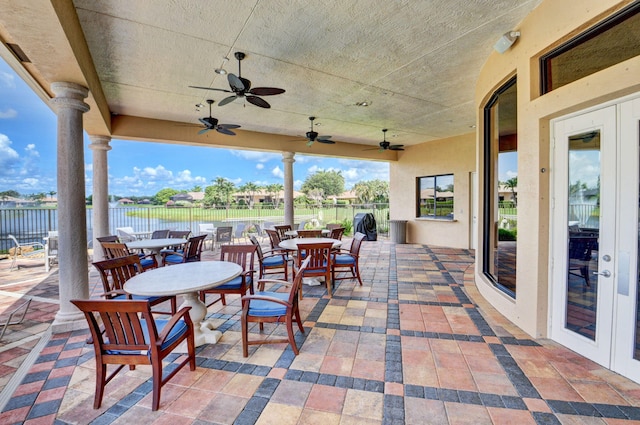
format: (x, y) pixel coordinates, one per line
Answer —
(512, 184)
(273, 190)
(250, 188)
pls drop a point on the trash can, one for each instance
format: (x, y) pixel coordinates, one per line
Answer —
(398, 229)
(365, 223)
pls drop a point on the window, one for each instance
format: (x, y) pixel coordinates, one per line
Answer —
(435, 197)
(500, 202)
(612, 41)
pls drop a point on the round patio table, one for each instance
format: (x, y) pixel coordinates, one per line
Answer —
(187, 279)
(155, 245)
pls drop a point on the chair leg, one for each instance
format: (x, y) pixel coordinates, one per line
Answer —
(296, 313)
(356, 273)
(156, 368)
(292, 340)
(101, 372)
(245, 335)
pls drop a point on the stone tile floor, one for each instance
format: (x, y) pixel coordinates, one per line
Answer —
(415, 345)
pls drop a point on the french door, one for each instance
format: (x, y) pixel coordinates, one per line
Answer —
(594, 278)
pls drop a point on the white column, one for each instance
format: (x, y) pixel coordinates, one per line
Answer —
(288, 160)
(72, 223)
(100, 146)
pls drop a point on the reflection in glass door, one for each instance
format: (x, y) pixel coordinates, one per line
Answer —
(583, 224)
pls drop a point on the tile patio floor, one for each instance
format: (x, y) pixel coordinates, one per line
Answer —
(415, 345)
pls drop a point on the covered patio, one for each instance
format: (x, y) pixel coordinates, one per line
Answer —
(415, 344)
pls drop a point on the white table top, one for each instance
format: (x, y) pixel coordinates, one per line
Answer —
(155, 243)
(294, 233)
(182, 278)
(292, 244)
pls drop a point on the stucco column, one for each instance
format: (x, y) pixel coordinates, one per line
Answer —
(72, 223)
(100, 146)
(287, 159)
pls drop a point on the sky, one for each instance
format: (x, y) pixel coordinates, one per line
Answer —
(28, 156)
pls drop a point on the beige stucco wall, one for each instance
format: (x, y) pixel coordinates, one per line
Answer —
(552, 23)
(447, 156)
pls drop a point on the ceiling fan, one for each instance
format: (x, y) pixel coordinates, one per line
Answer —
(312, 136)
(384, 145)
(211, 123)
(241, 88)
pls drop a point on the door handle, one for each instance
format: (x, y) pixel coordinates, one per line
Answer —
(604, 273)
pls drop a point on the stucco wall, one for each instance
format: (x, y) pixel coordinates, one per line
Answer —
(447, 156)
(549, 25)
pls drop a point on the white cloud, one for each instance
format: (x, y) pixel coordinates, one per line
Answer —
(7, 79)
(255, 155)
(297, 184)
(8, 113)
(158, 172)
(277, 172)
(259, 166)
(9, 158)
(185, 176)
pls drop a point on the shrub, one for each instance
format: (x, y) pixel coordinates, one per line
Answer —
(507, 235)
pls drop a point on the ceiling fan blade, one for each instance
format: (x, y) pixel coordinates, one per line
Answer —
(225, 131)
(203, 121)
(324, 137)
(235, 83)
(211, 88)
(266, 91)
(396, 147)
(229, 125)
(326, 141)
(227, 100)
(309, 142)
(258, 101)
(204, 130)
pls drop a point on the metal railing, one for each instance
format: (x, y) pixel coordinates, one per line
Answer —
(33, 224)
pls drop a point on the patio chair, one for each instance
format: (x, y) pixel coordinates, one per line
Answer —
(319, 264)
(243, 255)
(126, 333)
(274, 238)
(209, 230)
(184, 234)
(238, 233)
(332, 226)
(348, 260)
(192, 252)
(116, 271)
(50, 250)
(117, 250)
(336, 233)
(160, 234)
(302, 225)
(25, 250)
(282, 229)
(224, 234)
(275, 261)
(580, 249)
(315, 233)
(125, 234)
(273, 307)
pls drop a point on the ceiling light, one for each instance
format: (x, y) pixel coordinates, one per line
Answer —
(507, 39)
(199, 105)
(221, 70)
(365, 103)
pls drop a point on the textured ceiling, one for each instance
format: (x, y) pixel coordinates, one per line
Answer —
(416, 62)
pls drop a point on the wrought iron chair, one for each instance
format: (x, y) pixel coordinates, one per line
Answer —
(224, 235)
(348, 260)
(273, 307)
(271, 262)
(126, 333)
(116, 271)
(243, 255)
(51, 250)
